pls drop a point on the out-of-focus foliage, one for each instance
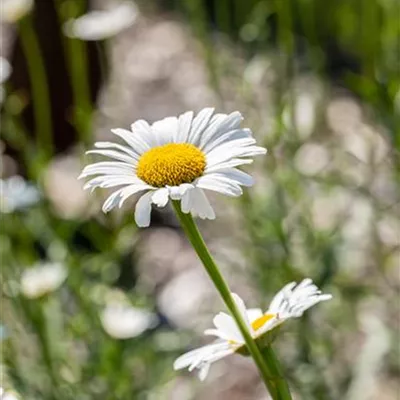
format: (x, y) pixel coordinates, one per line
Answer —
(319, 84)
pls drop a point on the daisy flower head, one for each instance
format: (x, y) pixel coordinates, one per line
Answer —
(102, 24)
(176, 158)
(289, 302)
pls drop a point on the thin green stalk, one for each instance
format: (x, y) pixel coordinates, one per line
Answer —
(279, 380)
(75, 51)
(276, 389)
(35, 313)
(39, 87)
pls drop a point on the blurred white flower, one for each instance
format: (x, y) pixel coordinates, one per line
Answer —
(176, 158)
(5, 72)
(257, 68)
(371, 355)
(366, 145)
(359, 222)
(14, 10)
(123, 322)
(388, 229)
(305, 115)
(330, 207)
(8, 395)
(191, 285)
(42, 279)
(289, 302)
(17, 194)
(102, 24)
(311, 159)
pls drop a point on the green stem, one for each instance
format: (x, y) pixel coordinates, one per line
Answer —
(75, 52)
(192, 232)
(281, 386)
(39, 86)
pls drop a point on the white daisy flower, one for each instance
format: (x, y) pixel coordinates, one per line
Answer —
(14, 10)
(102, 24)
(42, 279)
(124, 322)
(17, 194)
(177, 158)
(289, 302)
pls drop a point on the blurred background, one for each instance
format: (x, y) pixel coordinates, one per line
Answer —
(94, 308)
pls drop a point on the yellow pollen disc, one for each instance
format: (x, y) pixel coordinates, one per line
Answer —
(171, 164)
(259, 322)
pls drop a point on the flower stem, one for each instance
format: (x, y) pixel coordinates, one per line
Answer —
(77, 58)
(39, 87)
(268, 373)
(281, 386)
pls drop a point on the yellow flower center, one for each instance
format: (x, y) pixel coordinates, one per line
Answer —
(171, 164)
(259, 322)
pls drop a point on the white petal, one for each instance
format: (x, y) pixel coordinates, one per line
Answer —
(292, 300)
(142, 129)
(226, 324)
(211, 354)
(110, 145)
(120, 195)
(216, 332)
(112, 200)
(188, 358)
(235, 148)
(235, 162)
(276, 302)
(203, 372)
(177, 192)
(254, 313)
(184, 125)
(143, 210)
(199, 124)
(192, 356)
(187, 202)
(241, 308)
(107, 181)
(218, 185)
(200, 205)
(225, 138)
(115, 155)
(135, 141)
(224, 123)
(238, 176)
(131, 190)
(160, 197)
(165, 130)
(107, 168)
